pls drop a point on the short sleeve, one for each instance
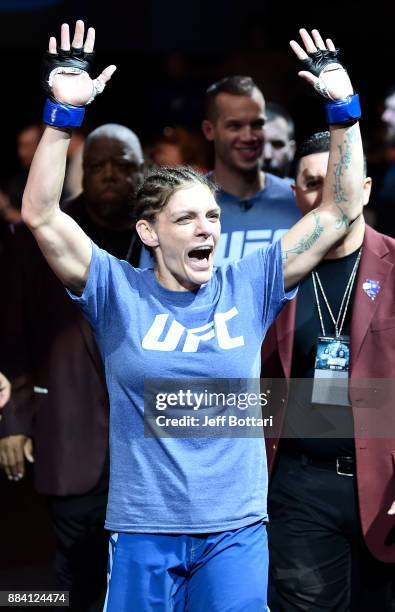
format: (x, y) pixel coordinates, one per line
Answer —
(264, 267)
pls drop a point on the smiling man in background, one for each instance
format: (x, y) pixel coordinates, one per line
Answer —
(256, 207)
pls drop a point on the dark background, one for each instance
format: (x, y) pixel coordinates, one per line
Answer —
(138, 37)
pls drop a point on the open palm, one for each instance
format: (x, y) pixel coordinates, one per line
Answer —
(76, 88)
(333, 82)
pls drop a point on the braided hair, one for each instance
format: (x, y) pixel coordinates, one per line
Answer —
(161, 184)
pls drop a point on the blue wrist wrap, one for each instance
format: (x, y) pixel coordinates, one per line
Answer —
(63, 115)
(343, 111)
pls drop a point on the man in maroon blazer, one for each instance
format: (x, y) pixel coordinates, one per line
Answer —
(331, 451)
(58, 414)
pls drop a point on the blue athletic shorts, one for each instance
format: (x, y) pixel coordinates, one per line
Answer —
(217, 572)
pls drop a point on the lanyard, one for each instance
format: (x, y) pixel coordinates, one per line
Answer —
(344, 303)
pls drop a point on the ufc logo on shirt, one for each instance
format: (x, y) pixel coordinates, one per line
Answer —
(191, 338)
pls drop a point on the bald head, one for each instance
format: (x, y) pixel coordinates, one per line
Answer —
(115, 131)
(113, 170)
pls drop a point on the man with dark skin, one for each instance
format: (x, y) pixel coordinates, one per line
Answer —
(63, 428)
(112, 163)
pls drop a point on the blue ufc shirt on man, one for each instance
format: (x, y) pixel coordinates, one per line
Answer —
(247, 225)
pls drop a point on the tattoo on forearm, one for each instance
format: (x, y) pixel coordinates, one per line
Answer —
(342, 220)
(345, 156)
(306, 243)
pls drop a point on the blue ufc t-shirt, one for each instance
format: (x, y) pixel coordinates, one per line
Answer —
(183, 485)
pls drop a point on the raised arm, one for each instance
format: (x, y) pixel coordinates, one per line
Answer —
(65, 76)
(307, 242)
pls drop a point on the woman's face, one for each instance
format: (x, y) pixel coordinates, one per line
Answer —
(184, 236)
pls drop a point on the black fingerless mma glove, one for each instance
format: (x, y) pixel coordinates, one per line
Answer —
(75, 58)
(318, 60)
